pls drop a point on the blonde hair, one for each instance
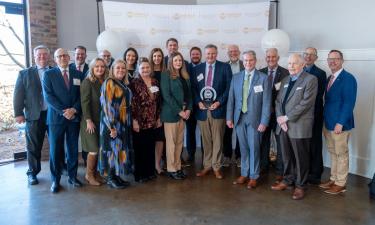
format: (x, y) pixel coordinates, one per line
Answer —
(92, 65)
(177, 73)
(111, 74)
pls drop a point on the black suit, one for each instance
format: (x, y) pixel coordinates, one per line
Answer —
(316, 157)
(28, 102)
(280, 74)
(84, 71)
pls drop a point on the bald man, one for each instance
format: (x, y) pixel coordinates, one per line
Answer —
(61, 87)
(295, 117)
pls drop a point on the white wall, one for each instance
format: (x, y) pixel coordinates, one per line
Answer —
(324, 24)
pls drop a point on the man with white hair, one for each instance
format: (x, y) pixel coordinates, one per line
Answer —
(295, 116)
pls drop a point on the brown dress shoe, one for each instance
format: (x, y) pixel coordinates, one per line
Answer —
(327, 185)
(218, 174)
(298, 194)
(203, 172)
(279, 186)
(240, 180)
(335, 189)
(252, 184)
(279, 178)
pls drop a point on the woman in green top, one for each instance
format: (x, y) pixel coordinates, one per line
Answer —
(176, 108)
(90, 122)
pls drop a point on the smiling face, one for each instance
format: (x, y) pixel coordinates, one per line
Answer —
(249, 62)
(157, 58)
(295, 64)
(172, 47)
(106, 56)
(144, 69)
(195, 56)
(99, 69)
(234, 53)
(41, 57)
(177, 62)
(130, 58)
(80, 56)
(335, 61)
(62, 58)
(272, 58)
(310, 56)
(211, 55)
(119, 70)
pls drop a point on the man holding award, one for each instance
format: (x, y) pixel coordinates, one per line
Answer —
(210, 84)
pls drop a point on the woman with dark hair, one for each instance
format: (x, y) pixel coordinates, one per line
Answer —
(131, 59)
(156, 60)
(115, 136)
(176, 108)
(146, 118)
(90, 121)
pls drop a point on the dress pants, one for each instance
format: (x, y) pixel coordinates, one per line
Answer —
(144, 153)
(174, 137)
(249, 139)
(212, 135)
(191, 143)
(265, 148)
(57, 132)
(296, 158)
(227, 143)
(338, 149)
(35, 133)
(316, 145)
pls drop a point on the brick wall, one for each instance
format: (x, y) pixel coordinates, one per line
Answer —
(42, 19)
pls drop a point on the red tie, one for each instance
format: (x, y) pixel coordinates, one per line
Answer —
(66, 79)
(330, 82)
(209, 76)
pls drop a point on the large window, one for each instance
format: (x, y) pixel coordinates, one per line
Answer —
(13, 58)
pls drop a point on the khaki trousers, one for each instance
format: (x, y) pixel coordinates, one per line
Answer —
(174, 137)
(212, 136)
(337, 145)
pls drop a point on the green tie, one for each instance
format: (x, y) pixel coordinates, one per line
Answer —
(245, 93)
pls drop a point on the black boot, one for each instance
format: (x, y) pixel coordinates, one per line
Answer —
(112, 180)
(122, 182)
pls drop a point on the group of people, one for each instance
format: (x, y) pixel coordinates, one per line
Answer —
(128, 111)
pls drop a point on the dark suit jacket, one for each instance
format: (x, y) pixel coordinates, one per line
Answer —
(340, 101)
(299, 106)
(322, 84)
(85, 69)
(28, 94)
(173, 98)
(241, 65)
(281, 73)
(58, 97)
(221, 83)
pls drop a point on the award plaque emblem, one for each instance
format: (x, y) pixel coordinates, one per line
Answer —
(208, 96)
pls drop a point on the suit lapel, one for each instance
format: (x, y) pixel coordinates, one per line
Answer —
(336, 82)
(298, 82)
(254, 81)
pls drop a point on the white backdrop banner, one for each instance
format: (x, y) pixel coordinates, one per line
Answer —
(145, 26)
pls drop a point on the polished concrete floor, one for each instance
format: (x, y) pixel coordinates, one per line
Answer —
(168, 202)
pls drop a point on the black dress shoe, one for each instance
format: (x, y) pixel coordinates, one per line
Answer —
(32, 179)
(122, 182)
(181, 174)
(55, 187)
(75, 182)
(175, 176)
(114, 183)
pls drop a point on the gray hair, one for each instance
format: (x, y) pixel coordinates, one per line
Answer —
(272, 50)
(211, 46)
(250, 52)
(41, 47)
(299, 57)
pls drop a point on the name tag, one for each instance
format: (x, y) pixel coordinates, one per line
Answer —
(200, 77)
(154, 89)
(277, 86)
(286, 85)
(298, 88)
(76, 82)
(258, 88)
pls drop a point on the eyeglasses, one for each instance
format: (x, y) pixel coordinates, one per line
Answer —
(61, 56)
(308, 54)
(333, 59)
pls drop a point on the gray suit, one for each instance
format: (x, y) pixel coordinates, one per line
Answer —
(298, 106)
(246, 124)
(28, 102)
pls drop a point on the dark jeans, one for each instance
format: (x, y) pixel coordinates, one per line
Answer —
(35, 133)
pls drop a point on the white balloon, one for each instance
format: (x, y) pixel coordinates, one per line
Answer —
(276, 38)
(111, 41)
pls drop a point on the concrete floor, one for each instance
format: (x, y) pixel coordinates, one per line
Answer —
(168, 202)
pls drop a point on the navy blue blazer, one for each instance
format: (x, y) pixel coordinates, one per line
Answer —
(59, 97)
(340, 101)
(322, 84)
(221, 83)
(85, 69)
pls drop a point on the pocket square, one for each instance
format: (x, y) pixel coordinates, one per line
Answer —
(298, 88)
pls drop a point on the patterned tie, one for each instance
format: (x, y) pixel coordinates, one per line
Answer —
(245, 93)
(209, 76)
(79, 68)
(330, 82)
(270, 77)
(66, 79)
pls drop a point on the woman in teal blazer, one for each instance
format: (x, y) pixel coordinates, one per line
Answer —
(176, 108)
